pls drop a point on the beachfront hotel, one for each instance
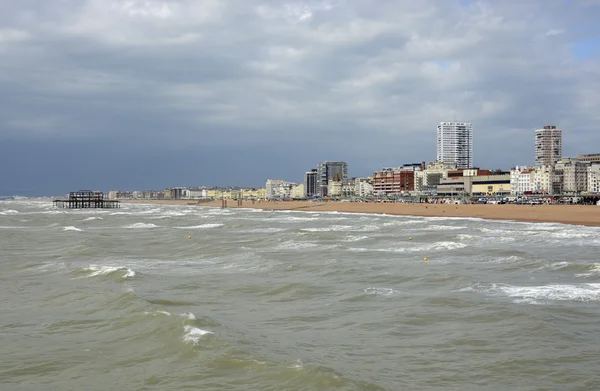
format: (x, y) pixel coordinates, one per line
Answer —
(548, 145)
(455, 144)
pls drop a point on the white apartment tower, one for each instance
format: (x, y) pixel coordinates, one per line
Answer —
(548, 145)
(455, 144)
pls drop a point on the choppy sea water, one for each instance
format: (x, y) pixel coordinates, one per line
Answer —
(258, 300)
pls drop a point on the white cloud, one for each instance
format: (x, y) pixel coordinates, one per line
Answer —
(294, 70)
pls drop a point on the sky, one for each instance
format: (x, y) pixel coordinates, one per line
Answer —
(147, 94)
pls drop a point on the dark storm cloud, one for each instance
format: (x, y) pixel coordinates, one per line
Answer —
(210, 81)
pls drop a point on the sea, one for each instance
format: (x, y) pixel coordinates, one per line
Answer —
(168, 297)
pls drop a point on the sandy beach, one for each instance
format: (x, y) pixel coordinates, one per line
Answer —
(565, 214)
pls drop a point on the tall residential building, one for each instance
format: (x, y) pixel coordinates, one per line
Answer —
(310, 183)
(328, 171)
(455, 144)
(548, 145)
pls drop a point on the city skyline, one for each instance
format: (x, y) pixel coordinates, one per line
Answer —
(151, 94)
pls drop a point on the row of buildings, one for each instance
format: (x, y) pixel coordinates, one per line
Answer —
(452, 174)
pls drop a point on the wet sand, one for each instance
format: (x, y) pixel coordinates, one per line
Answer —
(567, 214)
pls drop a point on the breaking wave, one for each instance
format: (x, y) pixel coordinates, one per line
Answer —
(141, 225)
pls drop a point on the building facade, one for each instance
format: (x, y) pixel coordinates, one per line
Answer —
(455, 143)
(393, 181)
(429, 178)
(363, 187)
(329, 171)
(593, 181)
(278, 189)
(574, 175)
(548, 145)
(589, 158)
(521, 180)
(310, 183)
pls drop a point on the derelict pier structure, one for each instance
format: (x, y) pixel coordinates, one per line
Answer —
(86, 199)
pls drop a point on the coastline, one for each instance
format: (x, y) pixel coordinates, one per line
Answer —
(587, 215)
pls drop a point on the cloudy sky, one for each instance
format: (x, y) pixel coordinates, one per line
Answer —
(138, 94)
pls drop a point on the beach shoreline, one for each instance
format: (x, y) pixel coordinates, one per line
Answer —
(587, 215)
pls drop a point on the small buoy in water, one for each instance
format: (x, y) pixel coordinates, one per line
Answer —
(410, 238)
(189, 237)
(425, 259)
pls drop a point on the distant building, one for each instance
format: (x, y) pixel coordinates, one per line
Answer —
(521, 180)
(310, 183)
(329, 171)
(574, 175)
(590, 158)
(428, 179)
(548, 145)
(334, 188)
(279, 189)
(593, 181)
(546, 181)
(398, 180)
(455, 144)
(363, 187)
(298, 192)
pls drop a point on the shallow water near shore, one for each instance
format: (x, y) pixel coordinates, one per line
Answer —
(279, 300)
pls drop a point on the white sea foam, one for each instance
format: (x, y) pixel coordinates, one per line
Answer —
(193, 334)
(354, 238)
(202, 226)
(543, 293)
(102, 270)
(120, 213)
(330, 229)
(188, 315)
(92, 218)
(293, 245)
(342, 228)
(71, 228)
(157, 313)
(414, 248)
(440, 228)
(141, 225)
(9, 212)
(593, 270)
(381, 291)
(293, 219)
(264, 230)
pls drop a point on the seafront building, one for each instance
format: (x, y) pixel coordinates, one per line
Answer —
(310, 183)
(455, 143)
(427, 180)
(593, 178)
(475, 182)
(548, 145)
(396, 180)
(329, 171)
(298, 192)
(592, 158)
(363, 187)
(521, 180)
(574, 175)
(279, 189)
(334, 188)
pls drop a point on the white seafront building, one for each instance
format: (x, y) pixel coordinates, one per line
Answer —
(593, 178)
(363, 187)
(455, 143)
(522, 179)
(278, 189)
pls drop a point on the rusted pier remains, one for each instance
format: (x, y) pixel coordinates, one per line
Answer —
(86, 199)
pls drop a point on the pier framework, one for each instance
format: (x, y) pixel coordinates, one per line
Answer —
(86, 199)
